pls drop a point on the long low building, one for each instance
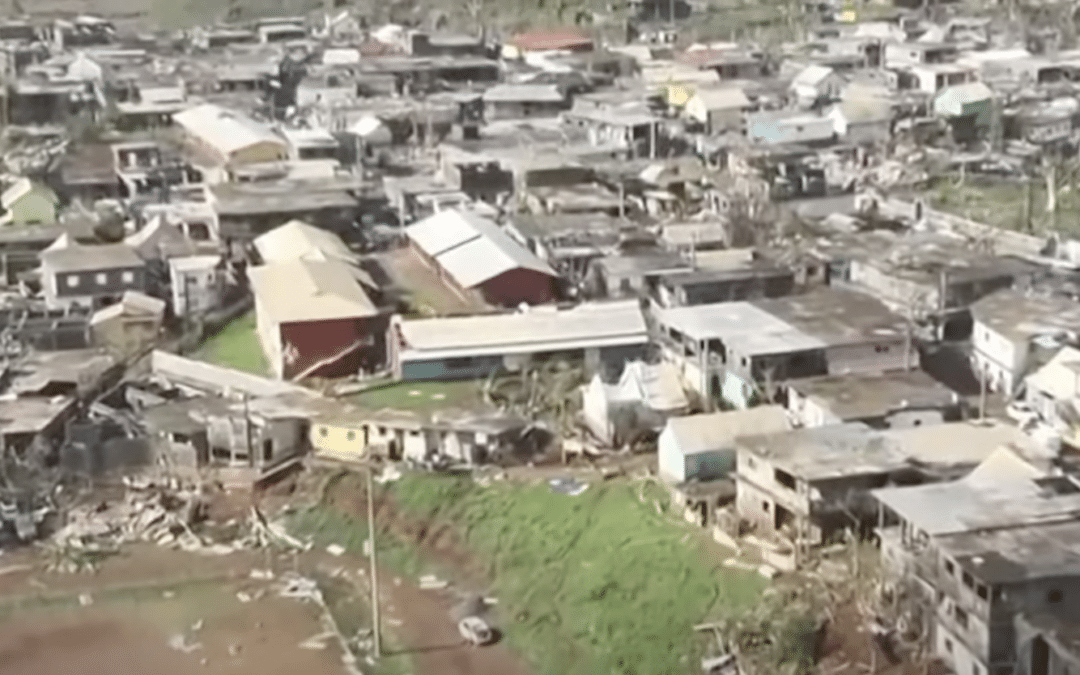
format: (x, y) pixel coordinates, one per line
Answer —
(476, 346)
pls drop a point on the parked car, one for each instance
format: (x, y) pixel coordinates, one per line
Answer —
(475, 631)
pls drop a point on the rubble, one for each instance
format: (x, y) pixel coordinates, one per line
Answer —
(167, 515)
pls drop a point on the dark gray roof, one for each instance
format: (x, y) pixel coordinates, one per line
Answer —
(80, 258)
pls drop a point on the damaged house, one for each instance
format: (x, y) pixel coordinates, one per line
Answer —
(638, 403)
(808, 485)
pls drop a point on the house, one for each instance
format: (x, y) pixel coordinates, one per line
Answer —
(1046, 641)
(130, 326)
(1053, 393)
(550, 39)
(476, 258)
(34, 422)
(719, 109)
(715, 284)
(314, 319)
(905, 54)
(160, 240)
(892, 400)
(246, 210)
(524, 101)
(727, 62)
(810, 484)
(28, 203)
(863, 120)
(968, 107)
(223, 138)
(932, 78)
(297, 240)
(742, 350)
(196, 284)
(816, 83)
(1011, 329)
(702, 447)
(242, 442)
(90, 276)
(639, 402)
(595, 334)
(996, 553)
(779, 127)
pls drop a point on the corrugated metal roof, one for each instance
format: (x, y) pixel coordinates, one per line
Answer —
(524, 93)
(77, 257)
(305, 290)
(711, 432)
(472, 249)
(226, 130)
(539, 329)
(296, 240)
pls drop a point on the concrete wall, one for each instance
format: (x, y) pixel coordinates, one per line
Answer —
(876, 356)
(1002, 359)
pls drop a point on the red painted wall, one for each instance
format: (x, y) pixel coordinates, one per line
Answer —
(316, 340)
(516, 286)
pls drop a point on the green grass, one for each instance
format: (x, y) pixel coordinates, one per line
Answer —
(421, 396)
(1002, 204)
(236, 346)
(589, 585)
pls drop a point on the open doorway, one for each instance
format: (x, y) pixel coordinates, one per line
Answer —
(783, 520)
(267, 450)
(1040, 656)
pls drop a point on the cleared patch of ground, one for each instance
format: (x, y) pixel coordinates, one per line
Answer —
(237, 346)
(422, 396)
(1008, 204)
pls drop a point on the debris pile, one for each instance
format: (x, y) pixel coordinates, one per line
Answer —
(168, 515)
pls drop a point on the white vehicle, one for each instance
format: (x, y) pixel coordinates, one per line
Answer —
(475, 631)
(1021, 413)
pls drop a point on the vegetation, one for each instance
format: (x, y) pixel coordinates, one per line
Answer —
(420, 396)
(236, 346)
(603, 582)
(1009, 204)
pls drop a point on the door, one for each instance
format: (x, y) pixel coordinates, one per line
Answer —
(1040, 656)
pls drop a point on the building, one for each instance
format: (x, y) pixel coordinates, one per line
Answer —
(1012, 329)
(297, 240)
(28, 203)
(596, 334)
(315, 319)
(779, 127)
(524, 101)
(635, 405)
(815, 84)
(90, 276)
(478, 260)
(863, 120)
(224, 138)
(968, 107)
(996, 551)
(895, 400)
(197, 284)
(702, 447)
(719, 109)
(550, 39)
(744, 350)
(810, 484)
(130, 326)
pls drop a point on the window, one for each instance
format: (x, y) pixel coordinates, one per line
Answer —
(323, 431)
(101, 278)
(381, 430)
(459, 363)
(982, 591)
(199, 231)
(948, 645)
(961, 617)
(784, 478)
(766, 506)
(949, 569)
(72, 280)
(751, 463)
(128, 277)
(969, 580)
(351, 436)
(1055, 596)
(882, 349)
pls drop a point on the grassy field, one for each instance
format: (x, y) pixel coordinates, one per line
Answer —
(236, 346)
(421, 396)
(1002, 204)
(598, 583)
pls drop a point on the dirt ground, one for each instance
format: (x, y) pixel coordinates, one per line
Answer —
(261, 635)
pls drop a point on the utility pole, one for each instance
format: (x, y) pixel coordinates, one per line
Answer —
(376, 646)
(982, 392)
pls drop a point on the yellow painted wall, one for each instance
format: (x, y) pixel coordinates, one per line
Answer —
(260, 153)
(338, 442)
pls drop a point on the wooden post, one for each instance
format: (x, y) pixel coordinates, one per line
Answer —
(376, 642)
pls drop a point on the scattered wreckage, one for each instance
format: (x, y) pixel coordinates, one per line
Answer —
(167, 514)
